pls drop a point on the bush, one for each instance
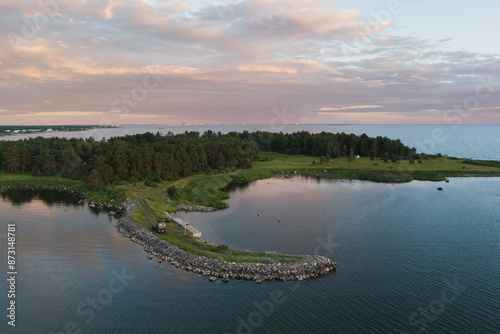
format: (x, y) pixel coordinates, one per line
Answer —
(220, 248)
(172, 192)
(149, 183)
(167, 176)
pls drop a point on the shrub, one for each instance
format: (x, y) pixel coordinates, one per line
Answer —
(220, 248)
(172, 192)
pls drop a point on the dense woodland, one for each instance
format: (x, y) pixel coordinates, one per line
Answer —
(154, 158)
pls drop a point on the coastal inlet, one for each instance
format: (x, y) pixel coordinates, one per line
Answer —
(308, 267)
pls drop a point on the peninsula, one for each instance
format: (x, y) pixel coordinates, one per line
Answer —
(148, 175)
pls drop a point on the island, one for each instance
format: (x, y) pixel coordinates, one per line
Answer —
(148, 176)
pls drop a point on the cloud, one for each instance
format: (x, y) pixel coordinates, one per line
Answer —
(98, 39)
(292, 66)
(176, 6)
(350, 108)
(230, 61)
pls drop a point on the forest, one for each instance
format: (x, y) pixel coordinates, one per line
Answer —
(155, 157)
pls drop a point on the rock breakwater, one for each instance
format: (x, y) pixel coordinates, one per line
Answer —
(107, 206)
(306, 268)
(192, 207)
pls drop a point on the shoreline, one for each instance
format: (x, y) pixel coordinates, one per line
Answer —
(308, 267)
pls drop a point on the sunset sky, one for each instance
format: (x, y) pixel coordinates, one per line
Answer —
(281, 61)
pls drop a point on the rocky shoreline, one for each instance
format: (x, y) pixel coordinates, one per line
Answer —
(309, 267)
(192, 207)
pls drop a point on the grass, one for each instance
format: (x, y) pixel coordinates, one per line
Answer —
(204, 190)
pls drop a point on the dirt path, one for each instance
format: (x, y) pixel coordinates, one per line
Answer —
(148, 211)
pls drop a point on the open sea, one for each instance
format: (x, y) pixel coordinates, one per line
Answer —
(411, 259)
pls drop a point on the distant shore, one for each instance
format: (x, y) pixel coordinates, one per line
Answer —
(9, 130)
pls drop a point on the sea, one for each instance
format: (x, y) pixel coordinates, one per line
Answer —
(411, 259)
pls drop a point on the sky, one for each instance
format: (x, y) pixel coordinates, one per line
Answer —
(253, 62)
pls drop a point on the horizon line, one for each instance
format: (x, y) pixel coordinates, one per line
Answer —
(231, 124)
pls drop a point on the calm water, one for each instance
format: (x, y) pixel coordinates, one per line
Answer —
(464, 141)
(400, 248)
(410, 257)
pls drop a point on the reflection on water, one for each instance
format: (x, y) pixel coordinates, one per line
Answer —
(20, 196)
(25, 195)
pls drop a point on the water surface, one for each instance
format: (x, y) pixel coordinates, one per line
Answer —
(398, 248)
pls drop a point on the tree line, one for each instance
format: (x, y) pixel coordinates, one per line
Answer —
(156, 157)
(329, 145)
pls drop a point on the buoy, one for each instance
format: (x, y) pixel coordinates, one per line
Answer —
(258, 214)
(279, 220)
